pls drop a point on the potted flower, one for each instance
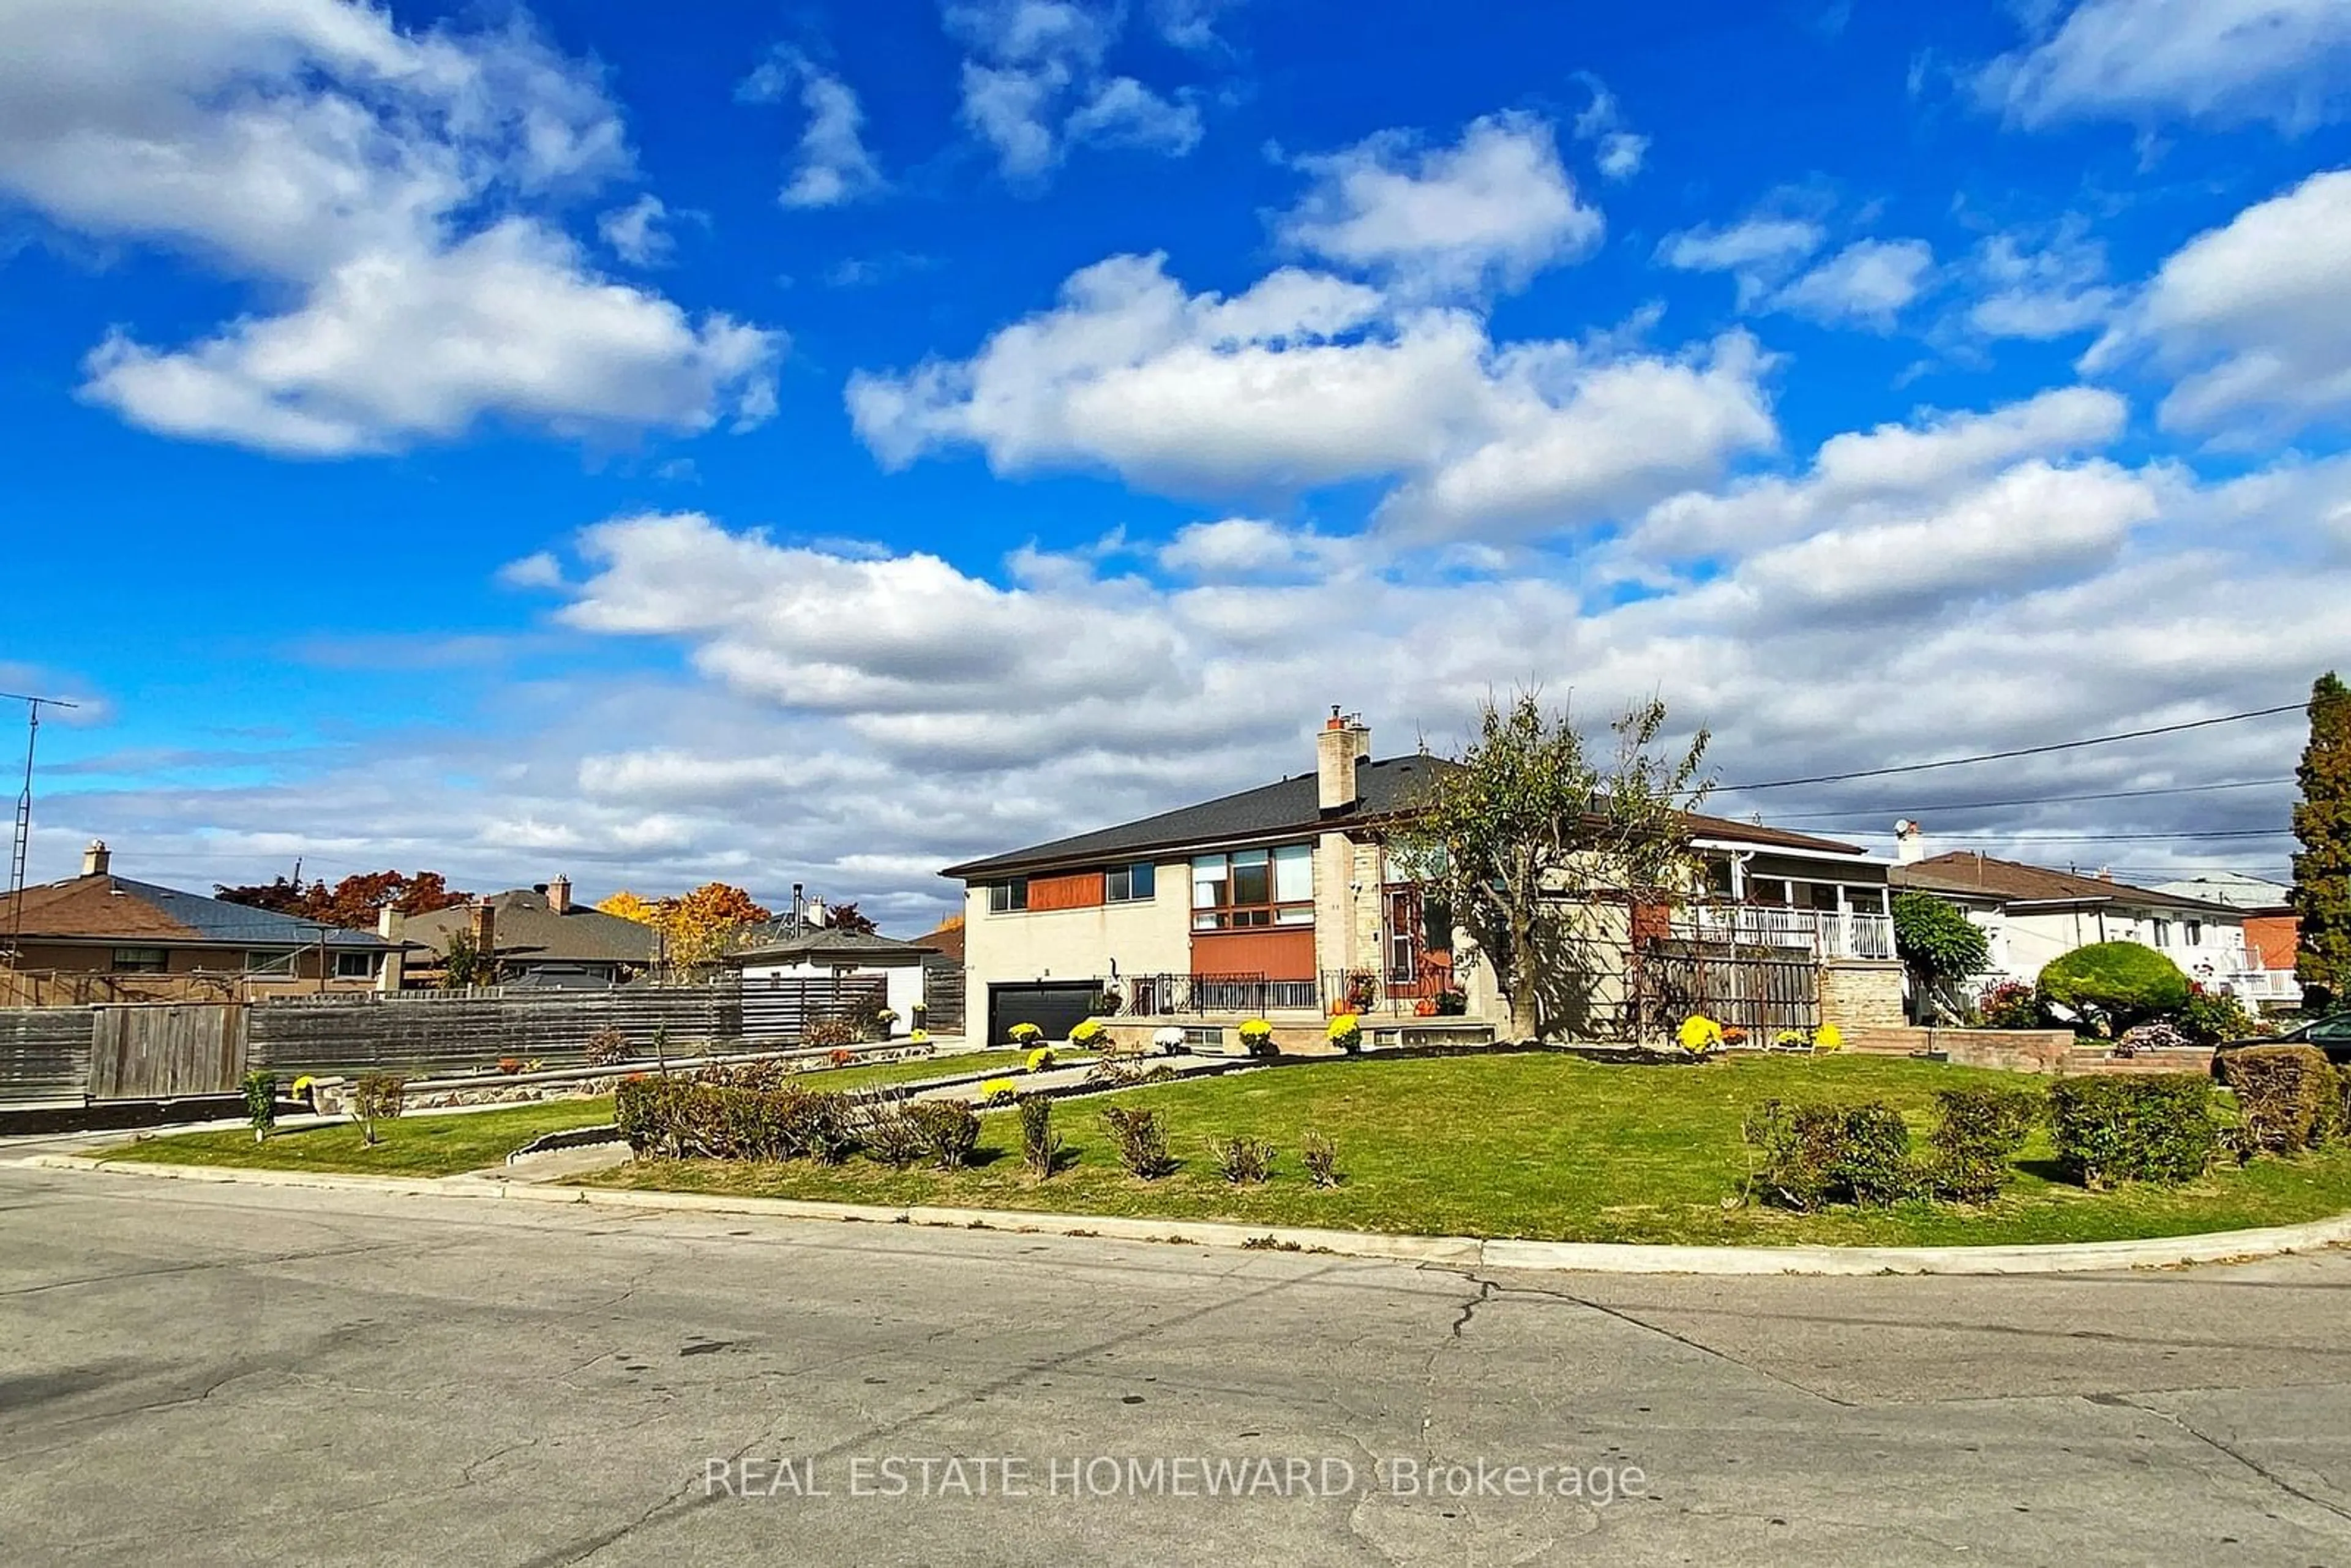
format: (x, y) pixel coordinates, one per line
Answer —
(1346, 1033)
(1026, 1035)
(1092, 1034)
(1698, 1035)
(1257, 1037)
(1168, 1040)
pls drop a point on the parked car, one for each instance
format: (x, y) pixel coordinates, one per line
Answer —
(2330, 1034)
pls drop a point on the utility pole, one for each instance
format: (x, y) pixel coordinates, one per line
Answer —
(21, 846)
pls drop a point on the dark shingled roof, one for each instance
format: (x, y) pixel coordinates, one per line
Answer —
(1964, 873)
(105, 907)
(831, 948)
(1385, 788)
(528, 927)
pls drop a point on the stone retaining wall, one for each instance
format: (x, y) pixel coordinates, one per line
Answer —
(2050, 1051)
(1861, 994)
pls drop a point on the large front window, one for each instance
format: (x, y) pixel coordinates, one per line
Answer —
(1253, 887)
(1130, 884)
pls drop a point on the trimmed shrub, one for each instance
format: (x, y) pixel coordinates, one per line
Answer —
(685, 1120)
(2157, 1127)
(2211, 1017)
(1242, 1160)
(2012, 1004)
(607, 1047)
(888, 1133)
(1040, 1146)
(1320, 1159)
(2125, 981)
(261, 1101)
(1814, 1155)
(950, 1131)
(1142, 1141)
(1978, 1132)
(378, 1097)
(2288, 1097)
(832, 1030)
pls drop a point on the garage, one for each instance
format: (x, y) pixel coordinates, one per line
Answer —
(1057, 1007)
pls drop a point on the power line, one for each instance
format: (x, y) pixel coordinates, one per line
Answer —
(2021, 751)
(2036, 799)
(2108, 838)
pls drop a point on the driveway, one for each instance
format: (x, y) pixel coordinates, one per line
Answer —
(208, 1373)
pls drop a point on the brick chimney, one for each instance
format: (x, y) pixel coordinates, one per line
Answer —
(96, 859)
(1342, 743)
(559, 895)
(483, 918)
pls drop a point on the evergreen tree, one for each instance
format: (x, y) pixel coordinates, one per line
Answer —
(2322, 871)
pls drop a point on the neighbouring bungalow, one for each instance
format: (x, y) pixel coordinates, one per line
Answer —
(2034, 916)
(1284, 901)
(2273, 930)
(824, 954)
(99, 938)
(539, 938)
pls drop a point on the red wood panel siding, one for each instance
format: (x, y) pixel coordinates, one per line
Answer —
(1279, 953)
(1076, 890)
(2274, 939)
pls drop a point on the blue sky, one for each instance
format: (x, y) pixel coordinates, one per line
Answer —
(822, 442)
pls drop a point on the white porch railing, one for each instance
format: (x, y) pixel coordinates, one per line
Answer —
(1827, 933)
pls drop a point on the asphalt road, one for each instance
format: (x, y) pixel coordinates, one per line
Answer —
(205, 1373)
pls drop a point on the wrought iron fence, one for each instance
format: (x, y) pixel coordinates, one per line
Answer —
(1162, 995)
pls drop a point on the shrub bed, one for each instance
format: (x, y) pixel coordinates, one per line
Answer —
(2156, 1128)
(1979, 1132)
(2288, 1097)
(1817, 1154)
(689, 1120)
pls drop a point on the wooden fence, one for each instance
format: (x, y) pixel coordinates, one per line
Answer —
(943, 995)
(156, 1051)
(44, 1053)
(1760, 991)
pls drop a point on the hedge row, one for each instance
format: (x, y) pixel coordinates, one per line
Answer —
(684, 1119)
(2288, 1097)
(2152, 1128)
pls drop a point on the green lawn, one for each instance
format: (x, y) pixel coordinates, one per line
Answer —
(1532, 1145)
(436, 1145)
(425, 1146)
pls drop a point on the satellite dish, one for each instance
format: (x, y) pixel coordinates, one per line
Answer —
(1903, 825)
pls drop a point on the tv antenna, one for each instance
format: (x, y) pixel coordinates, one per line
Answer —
(21, 846)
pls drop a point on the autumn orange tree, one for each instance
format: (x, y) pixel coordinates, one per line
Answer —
(354, 902)
(698, 928)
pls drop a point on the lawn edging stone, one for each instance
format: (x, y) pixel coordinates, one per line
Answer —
(1446, 1251)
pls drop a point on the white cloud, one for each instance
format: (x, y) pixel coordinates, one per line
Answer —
(831, 164)
(392, 347)
(1758, 250)
(1190, 23)
(857, 717)
(1617, 150)
(635, 234)
(2052, 290)
(1308, 380)
(2287, 61)
(312, 146)
(1865, 479)
(1250, 548)
(537, 569)
(1495, 207)
(1866, 284)
(1123, 113)
(1034, 86)
(2249, 317)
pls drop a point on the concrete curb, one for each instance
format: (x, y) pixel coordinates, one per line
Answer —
(1448, 1251)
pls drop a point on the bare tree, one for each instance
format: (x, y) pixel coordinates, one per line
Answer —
(1550, 857)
